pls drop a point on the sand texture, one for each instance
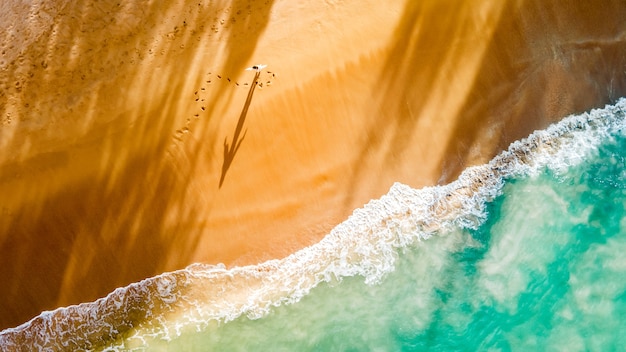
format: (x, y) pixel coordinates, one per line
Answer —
(116, 119)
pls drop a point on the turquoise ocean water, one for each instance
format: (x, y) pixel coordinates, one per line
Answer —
(527, 252)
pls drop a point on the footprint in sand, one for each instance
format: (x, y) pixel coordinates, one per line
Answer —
(265, 80)
(200, 95)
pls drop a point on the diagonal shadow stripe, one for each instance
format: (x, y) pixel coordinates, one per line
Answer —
(231, 150)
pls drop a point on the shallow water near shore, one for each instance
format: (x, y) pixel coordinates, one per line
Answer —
(523, 252)
(543, 271)
(115, 122)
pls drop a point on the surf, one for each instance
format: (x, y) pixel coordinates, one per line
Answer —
(366, 245)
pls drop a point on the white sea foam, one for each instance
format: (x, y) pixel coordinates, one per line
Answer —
(366, 244)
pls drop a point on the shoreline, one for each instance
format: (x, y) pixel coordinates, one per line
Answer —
(103, 180)
(364, 245)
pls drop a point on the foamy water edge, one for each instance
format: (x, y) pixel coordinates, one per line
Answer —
(366, 244)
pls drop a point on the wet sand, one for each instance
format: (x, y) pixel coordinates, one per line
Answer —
(114, 120)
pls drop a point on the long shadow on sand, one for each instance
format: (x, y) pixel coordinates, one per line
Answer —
(124, 211)
(230, 151)
(529, 79)
(542, 62)
(423, 42)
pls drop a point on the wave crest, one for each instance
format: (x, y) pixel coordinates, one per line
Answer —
(366, 244)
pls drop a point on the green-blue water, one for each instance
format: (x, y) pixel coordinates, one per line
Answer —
(526, 252)
(546, 271)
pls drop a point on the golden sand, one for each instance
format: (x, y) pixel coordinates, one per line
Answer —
(114, 118)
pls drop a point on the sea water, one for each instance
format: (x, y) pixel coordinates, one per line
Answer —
(523, 253)
(545, 271)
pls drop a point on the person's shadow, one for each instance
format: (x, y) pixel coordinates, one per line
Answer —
(231, 150)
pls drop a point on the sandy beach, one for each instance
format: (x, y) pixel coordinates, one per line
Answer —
(115, 117)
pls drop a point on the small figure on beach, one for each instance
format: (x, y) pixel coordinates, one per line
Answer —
(256, 68)
(231, 149)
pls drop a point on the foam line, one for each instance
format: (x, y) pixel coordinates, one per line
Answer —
(366, 244)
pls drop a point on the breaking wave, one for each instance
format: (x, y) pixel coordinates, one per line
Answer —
(366, 245)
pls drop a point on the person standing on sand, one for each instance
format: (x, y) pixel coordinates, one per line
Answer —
(231, 150)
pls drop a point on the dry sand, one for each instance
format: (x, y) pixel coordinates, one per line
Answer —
(114, 117)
